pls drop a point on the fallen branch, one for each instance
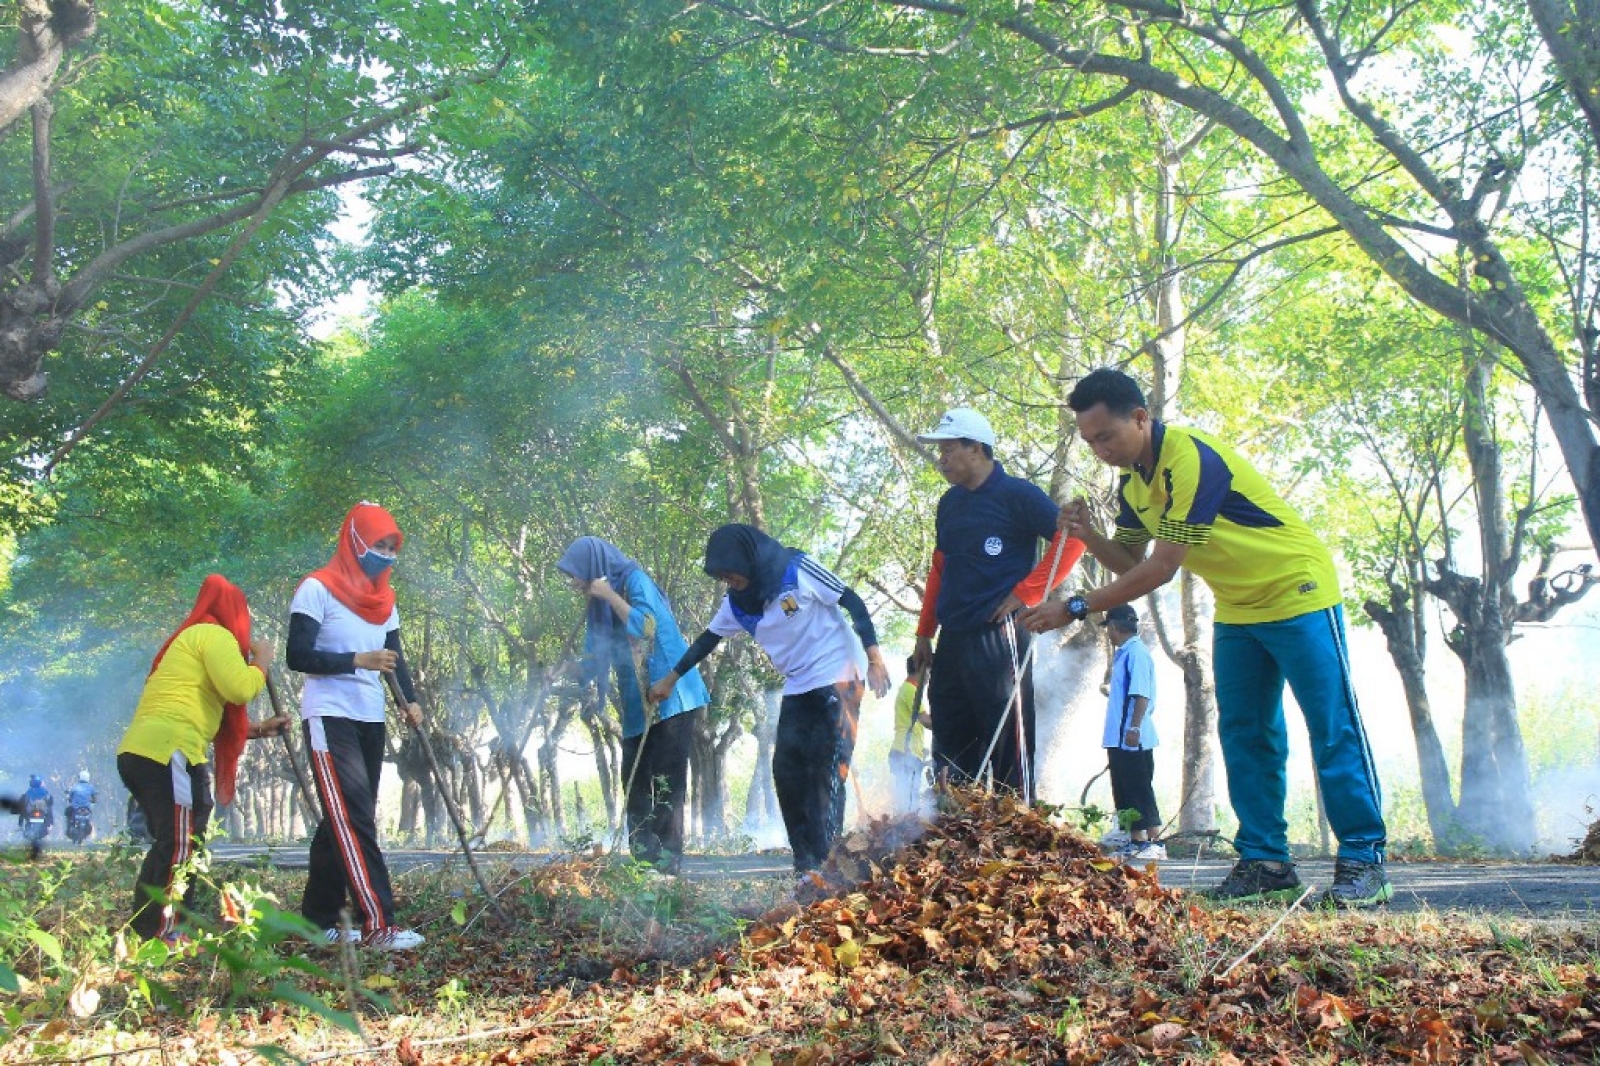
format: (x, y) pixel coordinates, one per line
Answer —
(464, 1038)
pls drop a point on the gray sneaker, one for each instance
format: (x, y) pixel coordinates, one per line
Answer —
(1357, 884)
(1256, 881)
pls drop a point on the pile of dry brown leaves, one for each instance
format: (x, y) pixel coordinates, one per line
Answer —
(993, 935)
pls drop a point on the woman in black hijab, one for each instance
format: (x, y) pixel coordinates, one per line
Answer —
(791, 605)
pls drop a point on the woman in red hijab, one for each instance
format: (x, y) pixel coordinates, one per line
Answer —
(198, 685)
(344, 634)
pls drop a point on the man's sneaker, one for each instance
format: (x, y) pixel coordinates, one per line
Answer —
(1253, 880)
(1357, 884)
(334, 936)
(394, 938)
(1146, 851)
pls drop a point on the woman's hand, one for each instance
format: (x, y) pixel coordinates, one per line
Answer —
(261, 652)
(878, 679)
(413, 714)
(268, 727)
(384, 659)
(663, 688)
(877, 673)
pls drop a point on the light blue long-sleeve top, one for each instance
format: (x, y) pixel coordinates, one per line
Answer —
(648, 601)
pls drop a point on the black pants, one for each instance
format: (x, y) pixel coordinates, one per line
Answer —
(176, 800)
(347, 865)
(810, 764)
(660, 791)
(1131, 790)
(969, 691)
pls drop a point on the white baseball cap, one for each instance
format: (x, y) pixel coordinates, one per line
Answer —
(960, 423)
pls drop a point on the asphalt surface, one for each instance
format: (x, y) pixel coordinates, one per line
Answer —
(1546, 890)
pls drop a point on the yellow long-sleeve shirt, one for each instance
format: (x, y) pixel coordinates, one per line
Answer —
(181, 708)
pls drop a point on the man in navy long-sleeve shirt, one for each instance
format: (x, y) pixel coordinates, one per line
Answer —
(987, 533)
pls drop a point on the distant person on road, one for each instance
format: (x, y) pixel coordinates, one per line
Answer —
(195, 695)
(1130, 734)
(82, 793)
(987, 532)
(344, 634)
(790, 604)
(38, 815)
(908, 754)
(1189, 500)
(81, 798)
(631, 636)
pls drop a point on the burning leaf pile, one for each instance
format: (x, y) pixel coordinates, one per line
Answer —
(999, 937)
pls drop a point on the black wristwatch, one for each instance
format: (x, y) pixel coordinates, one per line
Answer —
(1077, 607)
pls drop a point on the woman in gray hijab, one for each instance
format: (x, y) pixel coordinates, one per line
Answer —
(633, 639)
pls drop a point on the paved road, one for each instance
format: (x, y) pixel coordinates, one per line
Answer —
(1529, 890)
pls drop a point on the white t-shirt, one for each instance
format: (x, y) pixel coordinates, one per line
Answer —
(803, 631)
(361, 695)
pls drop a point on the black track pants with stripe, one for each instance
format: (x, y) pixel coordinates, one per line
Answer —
(176, 799)
(347, 866)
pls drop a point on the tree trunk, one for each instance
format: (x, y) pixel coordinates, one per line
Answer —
(1398, 621)
(1197, 812)
(1496, 791)
(761, 803)
(533, 808)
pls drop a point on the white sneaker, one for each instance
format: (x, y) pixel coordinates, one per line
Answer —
(394, 938)
(1147, 851)
(1115, 842)
(335, 935)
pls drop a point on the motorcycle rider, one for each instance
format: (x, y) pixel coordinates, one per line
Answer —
(37, 816)
(81, 799)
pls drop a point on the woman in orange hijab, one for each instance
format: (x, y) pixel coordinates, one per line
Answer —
(344, 634)
(198, 685)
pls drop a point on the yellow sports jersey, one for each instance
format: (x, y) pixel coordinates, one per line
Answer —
(1260, 559)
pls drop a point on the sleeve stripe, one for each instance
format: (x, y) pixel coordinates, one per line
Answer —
(1135, 537)
(1182, 532)
(821, 573)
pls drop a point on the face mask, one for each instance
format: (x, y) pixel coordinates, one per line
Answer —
(374, 562)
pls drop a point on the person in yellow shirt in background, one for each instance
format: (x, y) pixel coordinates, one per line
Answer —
(196, 691)
(907, 751)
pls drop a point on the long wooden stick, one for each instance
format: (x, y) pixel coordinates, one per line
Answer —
(308, 795)
(444, 793)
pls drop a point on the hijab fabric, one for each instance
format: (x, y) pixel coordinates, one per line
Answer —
(745, 550)
(588, 559)
(364, 526)
(222, 603)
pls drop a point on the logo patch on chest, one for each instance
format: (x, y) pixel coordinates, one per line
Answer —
(992, 546)
(789, 604)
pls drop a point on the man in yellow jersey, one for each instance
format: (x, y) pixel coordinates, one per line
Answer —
(1189, 500)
